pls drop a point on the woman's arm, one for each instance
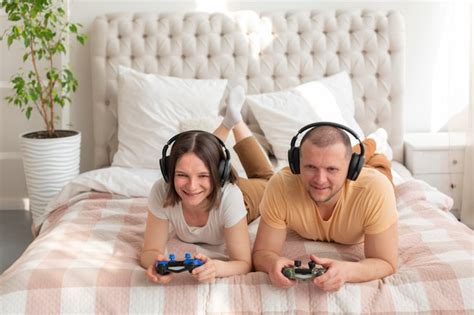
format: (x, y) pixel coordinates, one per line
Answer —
(240, 261)
(156, 237)
(238, 245)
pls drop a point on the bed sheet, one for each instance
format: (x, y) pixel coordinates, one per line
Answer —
(85, 259)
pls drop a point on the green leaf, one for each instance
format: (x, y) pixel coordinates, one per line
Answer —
(73, 28)
(28, 112)
(81, 39)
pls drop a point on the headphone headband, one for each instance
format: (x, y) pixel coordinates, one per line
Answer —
(331, 124)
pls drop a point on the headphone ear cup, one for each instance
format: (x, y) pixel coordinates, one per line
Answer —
(165, 168)
(224, 171)
(355, 166)
(294, 160)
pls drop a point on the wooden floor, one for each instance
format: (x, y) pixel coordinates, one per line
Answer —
(15, 235)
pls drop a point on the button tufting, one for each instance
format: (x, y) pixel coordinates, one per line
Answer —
(107, 102)
(209, 56)
(377, 75)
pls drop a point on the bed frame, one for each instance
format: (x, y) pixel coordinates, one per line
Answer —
(264, 52)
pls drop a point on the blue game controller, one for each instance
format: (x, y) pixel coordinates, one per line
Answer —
(164, 267)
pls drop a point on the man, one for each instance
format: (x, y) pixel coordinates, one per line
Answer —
(322, 204)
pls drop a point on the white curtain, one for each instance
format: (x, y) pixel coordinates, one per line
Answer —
(452, 96)
(467, 209)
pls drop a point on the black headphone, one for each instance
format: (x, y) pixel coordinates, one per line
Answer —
(224, 164)
(357, 160)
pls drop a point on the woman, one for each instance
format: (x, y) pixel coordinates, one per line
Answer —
(199, 209)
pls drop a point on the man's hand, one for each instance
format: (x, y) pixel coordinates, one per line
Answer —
(206, 272)
(276, 276)
(335, 276)
(155, 277)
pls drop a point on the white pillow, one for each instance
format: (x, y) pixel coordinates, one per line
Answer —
(341, 88)
(150, 108)
(282, 114)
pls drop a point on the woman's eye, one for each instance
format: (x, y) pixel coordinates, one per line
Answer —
(204, 175)
(181, 175)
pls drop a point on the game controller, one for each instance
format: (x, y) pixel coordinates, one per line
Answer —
(164, 267)
(298, 273)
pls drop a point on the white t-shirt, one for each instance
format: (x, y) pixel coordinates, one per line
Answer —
(229, 213)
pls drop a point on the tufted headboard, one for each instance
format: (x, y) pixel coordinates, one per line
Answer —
(264, 52)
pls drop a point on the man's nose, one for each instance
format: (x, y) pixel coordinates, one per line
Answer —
(319, 177)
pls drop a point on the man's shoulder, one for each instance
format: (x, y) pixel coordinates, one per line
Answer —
(372, 179)
(371, 174)
(283, 177)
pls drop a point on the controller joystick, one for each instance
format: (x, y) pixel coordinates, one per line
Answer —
(164, 267)
(298, 273)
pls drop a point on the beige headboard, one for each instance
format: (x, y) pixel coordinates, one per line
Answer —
(262, 51)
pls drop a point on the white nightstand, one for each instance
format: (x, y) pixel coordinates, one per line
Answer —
(438, 159)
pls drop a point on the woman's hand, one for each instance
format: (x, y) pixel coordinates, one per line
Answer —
(207, 272)
(155, 277)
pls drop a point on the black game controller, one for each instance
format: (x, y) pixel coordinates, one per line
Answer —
(298, 273)
(164, 267)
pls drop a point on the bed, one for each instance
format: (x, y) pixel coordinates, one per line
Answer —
(85, 257)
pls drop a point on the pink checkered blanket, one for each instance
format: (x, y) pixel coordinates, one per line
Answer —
(85, 260)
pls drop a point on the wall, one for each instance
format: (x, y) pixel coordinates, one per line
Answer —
(427, 69)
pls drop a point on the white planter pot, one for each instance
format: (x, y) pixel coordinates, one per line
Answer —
(49, 164)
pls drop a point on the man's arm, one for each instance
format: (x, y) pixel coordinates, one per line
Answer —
(381, 252)
(266, 254)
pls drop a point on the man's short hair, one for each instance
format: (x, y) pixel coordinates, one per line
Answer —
(323, 136)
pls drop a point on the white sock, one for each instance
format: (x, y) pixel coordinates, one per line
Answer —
(235, 100)
(380, 137)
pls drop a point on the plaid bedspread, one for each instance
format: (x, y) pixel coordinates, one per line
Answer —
(85, 260)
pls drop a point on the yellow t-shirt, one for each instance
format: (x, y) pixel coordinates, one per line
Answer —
(366, 206)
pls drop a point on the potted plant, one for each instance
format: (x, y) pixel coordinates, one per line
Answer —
(50, 156)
